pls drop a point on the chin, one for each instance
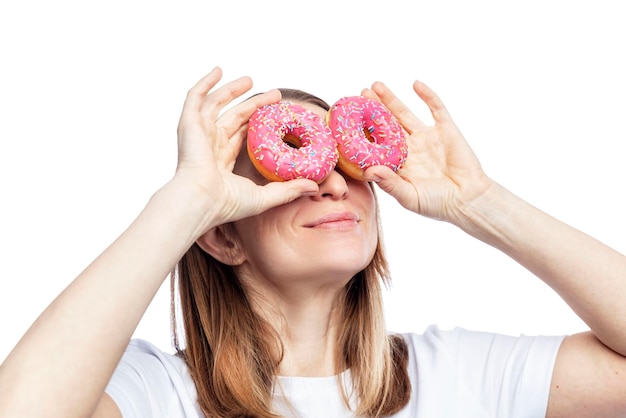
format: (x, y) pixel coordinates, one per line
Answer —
(347, 265)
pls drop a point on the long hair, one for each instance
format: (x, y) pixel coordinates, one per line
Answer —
(233, 354)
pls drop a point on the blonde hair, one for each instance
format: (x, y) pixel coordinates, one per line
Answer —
(233, 354)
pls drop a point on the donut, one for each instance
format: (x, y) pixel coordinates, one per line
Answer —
(287, 141)
(367, 134)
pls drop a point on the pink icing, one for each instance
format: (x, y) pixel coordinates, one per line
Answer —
(314, 159)
(351, 116)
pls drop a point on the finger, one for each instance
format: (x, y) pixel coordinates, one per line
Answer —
(410, 122)
(196, 94)
(391, 183)
(279, 193)
(370, 95)
(236, 143)
(195, 98)
(235, 117)
(434, 103)
(218, 99)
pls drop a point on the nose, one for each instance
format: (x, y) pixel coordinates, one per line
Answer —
(334, 187)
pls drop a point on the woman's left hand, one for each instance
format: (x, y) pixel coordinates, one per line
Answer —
(443, 179)
(441, 173)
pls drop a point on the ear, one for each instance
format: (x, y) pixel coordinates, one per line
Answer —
(222, 243)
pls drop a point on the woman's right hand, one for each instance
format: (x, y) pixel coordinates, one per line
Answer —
(209, 142)
(88, 325)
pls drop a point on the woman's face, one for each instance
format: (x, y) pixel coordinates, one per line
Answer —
(328, 237)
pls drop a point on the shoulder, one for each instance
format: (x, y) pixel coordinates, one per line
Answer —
(151, 382)
(488, 373)
(483, 352)
(436, 340)
(141, 352)
(145, 359)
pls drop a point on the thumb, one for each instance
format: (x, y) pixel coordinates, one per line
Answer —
(278, 193)
(391, 183)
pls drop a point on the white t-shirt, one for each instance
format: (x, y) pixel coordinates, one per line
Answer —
(456, 373)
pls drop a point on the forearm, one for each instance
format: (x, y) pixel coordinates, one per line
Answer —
(63, 363)
(588, 275)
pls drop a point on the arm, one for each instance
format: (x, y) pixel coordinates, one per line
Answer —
(61, 366)
(588, 275)
(443, 179)
(589, 377)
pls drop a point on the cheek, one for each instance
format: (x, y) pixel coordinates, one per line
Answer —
(373, 236)
(364, 198)
(260, 233)
(370, 207)
(364, 193)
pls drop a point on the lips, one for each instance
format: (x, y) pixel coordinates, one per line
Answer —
(334, 220)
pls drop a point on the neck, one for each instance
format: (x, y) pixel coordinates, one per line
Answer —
(305, 318)
(308, 330)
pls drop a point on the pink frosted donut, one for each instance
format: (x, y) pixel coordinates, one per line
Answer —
(367, 134)
(287, 141)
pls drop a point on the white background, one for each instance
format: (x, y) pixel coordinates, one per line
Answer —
(90, 94)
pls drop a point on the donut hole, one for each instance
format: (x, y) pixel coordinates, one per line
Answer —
(292, 140)
(368, 133)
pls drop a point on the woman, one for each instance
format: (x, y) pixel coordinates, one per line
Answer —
(281, 279)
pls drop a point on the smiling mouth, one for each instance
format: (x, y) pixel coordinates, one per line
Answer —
(335, 220)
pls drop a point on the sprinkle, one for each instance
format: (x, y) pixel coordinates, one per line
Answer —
(388, 146)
